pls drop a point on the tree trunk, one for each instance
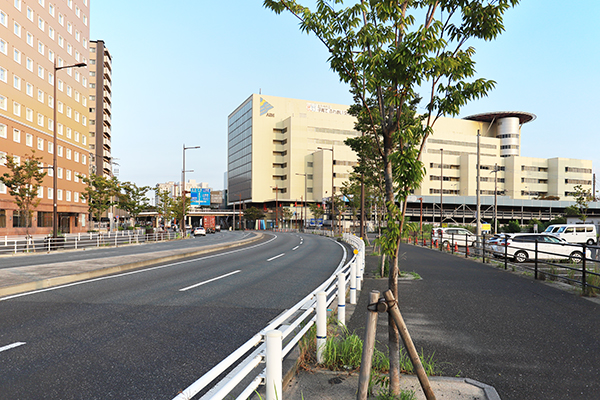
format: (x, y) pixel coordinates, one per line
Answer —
(393, 334)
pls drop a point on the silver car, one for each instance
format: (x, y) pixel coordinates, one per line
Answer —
(452, 236)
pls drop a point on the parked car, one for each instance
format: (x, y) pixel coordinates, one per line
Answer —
(574, 233)
(521, 247)
(451, 236)
(199, 231)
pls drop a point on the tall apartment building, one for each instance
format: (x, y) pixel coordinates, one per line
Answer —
(279, 149)
(100, 93)
(36, 36)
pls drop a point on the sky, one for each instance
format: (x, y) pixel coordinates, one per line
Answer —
(180, 68)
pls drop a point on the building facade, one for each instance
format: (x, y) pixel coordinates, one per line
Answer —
(287, 150)
(38, 39)
(100, 95)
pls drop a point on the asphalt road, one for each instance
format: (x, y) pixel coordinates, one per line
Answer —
(43, 257)
(527, 339)
(150, 334)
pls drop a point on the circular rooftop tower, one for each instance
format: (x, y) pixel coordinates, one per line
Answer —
(508, 128)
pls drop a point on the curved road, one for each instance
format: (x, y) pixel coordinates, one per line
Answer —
(149, 333)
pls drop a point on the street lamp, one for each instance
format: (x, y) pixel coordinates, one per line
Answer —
(332, 187)
(276, 205)
(304, 205)
(183, 171)
(55, 151)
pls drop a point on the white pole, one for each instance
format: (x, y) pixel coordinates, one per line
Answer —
(341, 298)
(321, 325)
(274, 366)
(358, 269)
(353, 282)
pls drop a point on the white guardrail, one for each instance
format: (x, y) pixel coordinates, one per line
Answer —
(78, 241)
(272, 344)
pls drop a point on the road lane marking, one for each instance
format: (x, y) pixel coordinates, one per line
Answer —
(295, 248)
(132, 272)
(11, 346)
(272, 258)
(210, 280)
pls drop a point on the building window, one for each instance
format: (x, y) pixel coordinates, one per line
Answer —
(17, 82)
(2, 212)
(60, 151)
(2, 131)
(16, 109)
(50, 191)
(20, 221)
(59, 173)
(45, 218)
(29, 139)
(50, 147)
(3, 75)
(59, 196)
(17, 29)
(3, 46)
(40, 144)
(16, 135)
(17, 56)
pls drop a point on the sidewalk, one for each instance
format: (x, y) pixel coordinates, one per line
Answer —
(341, 385)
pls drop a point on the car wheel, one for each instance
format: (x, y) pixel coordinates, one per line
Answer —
(590, 242)
(521, 256)
(576, 257)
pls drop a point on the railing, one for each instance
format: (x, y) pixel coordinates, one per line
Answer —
(582, 270)
(581, 267)
(81, 241)
(271, 345)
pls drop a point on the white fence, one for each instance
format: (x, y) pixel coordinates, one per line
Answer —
(80, 241)
(271, 345)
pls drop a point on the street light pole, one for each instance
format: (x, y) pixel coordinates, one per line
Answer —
(55, 151)
(304, 202)
(442, 188)
(183, 188)
(332, 187)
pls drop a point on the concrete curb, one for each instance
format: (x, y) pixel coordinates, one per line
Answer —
(127, 266)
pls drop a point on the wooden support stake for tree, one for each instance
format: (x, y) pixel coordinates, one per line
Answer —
(368, 349)
(394, 311)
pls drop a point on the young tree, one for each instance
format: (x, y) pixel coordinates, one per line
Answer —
(253, 213)
(165, 204)
(23, 181)
(388, 51)
(177, 209)
(286, 214)
(132, 198)
(100, 193)
(316, 210)
(583, 197)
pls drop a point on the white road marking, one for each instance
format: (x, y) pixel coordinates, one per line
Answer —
(132, 272)
(11, 346)
(210, 280)
(272, 258)
(295, 248)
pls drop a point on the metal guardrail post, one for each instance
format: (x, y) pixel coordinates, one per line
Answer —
(341, 283)
(353, 281)
(536, 259)
(505, 252)
(274, 381)
(321, 325)
(584, 271)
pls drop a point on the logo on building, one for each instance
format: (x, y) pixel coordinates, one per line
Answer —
(264, 106)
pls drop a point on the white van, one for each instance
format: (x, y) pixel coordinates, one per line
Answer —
(574, 233)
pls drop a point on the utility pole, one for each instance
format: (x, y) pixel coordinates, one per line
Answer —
(441, 188)
(496, 198)
(478, 195)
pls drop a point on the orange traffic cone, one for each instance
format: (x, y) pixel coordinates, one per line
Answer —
(424, 243)
(447, 246)
(456, 247)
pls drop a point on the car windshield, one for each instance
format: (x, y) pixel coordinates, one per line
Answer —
(552, 239)
(561, 229)
(549, 229)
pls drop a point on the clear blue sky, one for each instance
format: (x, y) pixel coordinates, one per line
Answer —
(180, 68)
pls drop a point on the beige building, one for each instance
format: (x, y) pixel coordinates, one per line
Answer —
(276, 144)
(100, 94)
(280, 149)
(454, 144)
(36, 36)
